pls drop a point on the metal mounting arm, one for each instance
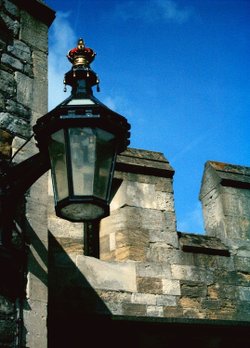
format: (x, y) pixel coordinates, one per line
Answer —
(14, 182)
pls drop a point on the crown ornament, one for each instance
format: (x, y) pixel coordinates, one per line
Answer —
(81, 57)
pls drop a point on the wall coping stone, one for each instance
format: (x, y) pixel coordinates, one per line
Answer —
(225, 174)
(144, 162)
(202, 244)
(38, 10)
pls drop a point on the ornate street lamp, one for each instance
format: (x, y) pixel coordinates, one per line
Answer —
(79, 140)
(83, 138)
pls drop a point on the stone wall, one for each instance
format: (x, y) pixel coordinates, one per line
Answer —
(23, 98)
(147, 269)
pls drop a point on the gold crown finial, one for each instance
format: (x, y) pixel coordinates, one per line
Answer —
(81, 55)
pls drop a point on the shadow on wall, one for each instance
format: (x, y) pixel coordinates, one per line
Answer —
(78, 317)
(75, 311)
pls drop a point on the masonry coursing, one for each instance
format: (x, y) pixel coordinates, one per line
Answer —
(23, 98)
(146, 267)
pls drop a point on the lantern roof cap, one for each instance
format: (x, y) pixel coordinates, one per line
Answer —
(81, 57)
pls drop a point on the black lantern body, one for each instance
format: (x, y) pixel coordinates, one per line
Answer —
(82, 164)
(83, 138)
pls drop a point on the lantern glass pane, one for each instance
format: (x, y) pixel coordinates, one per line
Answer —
(58, 165)
(82, 149)
(105, 152)
(92, 151)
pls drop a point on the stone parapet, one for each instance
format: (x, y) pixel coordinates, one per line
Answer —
(225, 197)
(202, 284)
(147, 268)
(142, 209)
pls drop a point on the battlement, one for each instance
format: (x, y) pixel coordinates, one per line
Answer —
(149, 269)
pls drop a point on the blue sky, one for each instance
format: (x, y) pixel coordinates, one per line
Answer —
(179, 71)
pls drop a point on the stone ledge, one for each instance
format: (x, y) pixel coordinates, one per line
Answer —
(108, 275)
(38, 10)
(226, 174)
(202, 244)
(144, 162)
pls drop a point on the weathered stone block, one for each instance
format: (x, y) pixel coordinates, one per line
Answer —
(31, 29)
(225, 199)
(244, 293)
(154, 311)
(160, 252)
(187, 302)
(28, 69)
(20, 50)
(192, 273)
(171, 287)
(211, 304)
(40, 96)
(166, 236)
(206, 261)
(11, 8)
(16, 126)
(133, 227)
(148, 299)
(172, 312)
(134, 309)
(149, 285)
(237, 227)
(108, 275)
(35, 318)
(242, 311)
(12, 62)
(24, 90)
(232, 278)
(239, 247)
(153, 269)
(193, 289)
(166, 300)
(62, 228)
(202, 244)
(16, 108)
(12, 24)
(227, 292)
(242, 264)
(7, 84)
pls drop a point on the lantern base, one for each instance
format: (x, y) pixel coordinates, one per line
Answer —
(82, 212)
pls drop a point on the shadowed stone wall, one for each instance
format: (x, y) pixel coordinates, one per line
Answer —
(23, 98)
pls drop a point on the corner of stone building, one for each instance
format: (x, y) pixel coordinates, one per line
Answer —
(23, 98)
(142, 210)
(225, 198)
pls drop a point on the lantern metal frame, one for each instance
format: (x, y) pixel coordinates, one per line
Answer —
(86, 112)
(81, 109)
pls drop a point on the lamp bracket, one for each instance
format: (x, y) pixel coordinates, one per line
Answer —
(15, 180)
